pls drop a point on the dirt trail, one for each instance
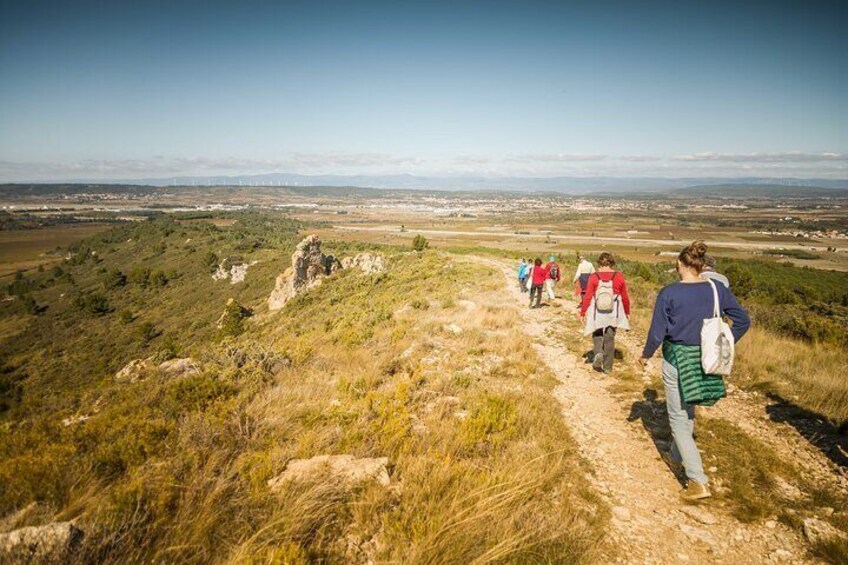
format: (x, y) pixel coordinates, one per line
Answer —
(650, 523)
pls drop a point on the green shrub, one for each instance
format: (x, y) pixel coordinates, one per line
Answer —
(114, 279)
(420, 243)
(92, 303)
(146, 332)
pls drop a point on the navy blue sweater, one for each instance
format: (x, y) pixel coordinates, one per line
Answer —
(680, 312)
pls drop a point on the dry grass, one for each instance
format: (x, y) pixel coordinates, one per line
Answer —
(811, 376)
(424, 365)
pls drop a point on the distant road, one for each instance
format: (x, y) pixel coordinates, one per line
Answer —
(755, 246)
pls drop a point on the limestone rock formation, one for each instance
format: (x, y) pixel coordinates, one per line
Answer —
(308, 268)
(346, 469)
(138, 369)
(368, 263)
(53, 543)
(179, 367)
(134, 370)
(818, 531)
(236, 273)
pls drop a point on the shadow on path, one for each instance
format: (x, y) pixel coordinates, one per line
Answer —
(813, 427)
(654, 417)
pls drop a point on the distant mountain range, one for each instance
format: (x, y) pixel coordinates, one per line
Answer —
(360, 185)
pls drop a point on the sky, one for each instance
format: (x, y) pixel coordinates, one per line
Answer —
(116, 89)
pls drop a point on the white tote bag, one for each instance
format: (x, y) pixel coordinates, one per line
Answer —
(717, 346)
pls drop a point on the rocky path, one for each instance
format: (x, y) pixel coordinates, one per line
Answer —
(650, 523)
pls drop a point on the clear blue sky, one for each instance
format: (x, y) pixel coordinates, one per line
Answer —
(126, 89)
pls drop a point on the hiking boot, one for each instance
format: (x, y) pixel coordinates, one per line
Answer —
(695, 491)
(675, 466)
(598, 362)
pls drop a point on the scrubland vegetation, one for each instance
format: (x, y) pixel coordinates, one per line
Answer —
(419, 364)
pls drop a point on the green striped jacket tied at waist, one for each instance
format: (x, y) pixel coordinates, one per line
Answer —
(696, 386)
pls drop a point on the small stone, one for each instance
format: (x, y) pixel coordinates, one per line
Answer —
(697, 534)
(780, 555)
(621, 513)
(682, 557)
(713, 469)
(699, 515)
(453, 328)
(52, 543)
(827, 511)
(817, 531)
(346, 469)
(771, 524)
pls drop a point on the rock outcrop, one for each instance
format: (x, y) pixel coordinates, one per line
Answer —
(138, 369)
(53, 543)
(309, 266)
(347, 470)
(368, 263)
(179, 367)
(134, 371)
(236, 273)
(818, 531)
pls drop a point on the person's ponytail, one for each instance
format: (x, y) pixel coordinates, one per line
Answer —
(694, 255)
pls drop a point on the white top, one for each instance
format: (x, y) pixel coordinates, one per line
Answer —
(584, 268)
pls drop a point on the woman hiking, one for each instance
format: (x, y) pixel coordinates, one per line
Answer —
(679, 315)
(605, 308)
(538, 276)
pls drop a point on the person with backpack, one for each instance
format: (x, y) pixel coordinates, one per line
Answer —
(553, 276)
(538, 276)
(604, 310)
(687, 322)
(523, 272)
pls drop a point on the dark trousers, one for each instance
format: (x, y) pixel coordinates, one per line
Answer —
(603, 342)
(522, 283)
(536, 290)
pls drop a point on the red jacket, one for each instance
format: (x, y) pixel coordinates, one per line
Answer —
(619, 287)
(540, 274)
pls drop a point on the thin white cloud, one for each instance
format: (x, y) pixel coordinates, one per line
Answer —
(352, 160)
(556, 158)
(639, 158)
(784, 157)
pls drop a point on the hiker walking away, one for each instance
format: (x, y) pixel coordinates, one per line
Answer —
(538, 276)
(678, 321)
(710, 272)
(581, 277)
(523, 272)
(553, 276)
(604, 310)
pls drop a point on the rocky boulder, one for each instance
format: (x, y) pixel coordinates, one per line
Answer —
(53, 543)
(134, 371)
(309, 266)
(818, 531)
(235, 272)
(368, 263)
(179, 367)
(347, 470)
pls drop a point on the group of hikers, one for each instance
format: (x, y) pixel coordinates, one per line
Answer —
(687, 323)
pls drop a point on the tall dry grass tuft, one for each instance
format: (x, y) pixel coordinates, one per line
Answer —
(809, 375)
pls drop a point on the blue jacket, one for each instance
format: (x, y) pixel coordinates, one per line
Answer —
(523, 270)
(680, 312)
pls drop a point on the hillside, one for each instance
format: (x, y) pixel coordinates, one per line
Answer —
(407, 409)
(748, 190)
